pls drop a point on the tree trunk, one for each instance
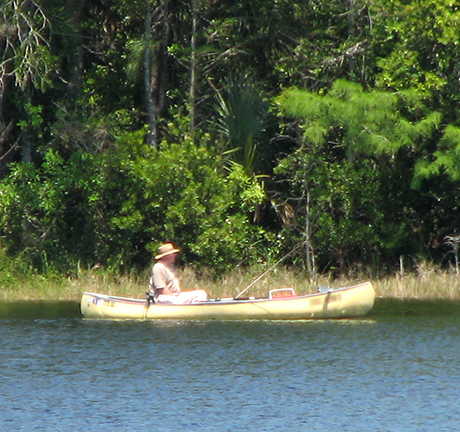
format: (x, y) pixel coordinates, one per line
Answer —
(193, 66)
(26, 143)
(75, 55)
(309, 252)
(351, 33)
(160, 71)
(5, 130)
(150, 107)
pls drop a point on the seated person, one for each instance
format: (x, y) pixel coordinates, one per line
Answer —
(164, 283)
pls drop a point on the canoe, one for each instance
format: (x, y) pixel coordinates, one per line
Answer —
(281, 304)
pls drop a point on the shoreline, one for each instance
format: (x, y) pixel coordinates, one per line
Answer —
(428, 285)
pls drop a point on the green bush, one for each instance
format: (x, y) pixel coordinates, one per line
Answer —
(115, 207)
(180, 193)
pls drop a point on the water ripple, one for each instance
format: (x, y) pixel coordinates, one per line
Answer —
(361, 375)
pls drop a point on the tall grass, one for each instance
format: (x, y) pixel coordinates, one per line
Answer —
(71, 288)
(426, 283)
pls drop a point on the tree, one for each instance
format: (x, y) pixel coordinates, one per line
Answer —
(351, 169)
(26, 59)
(424, 60)
(242, 116)
(179, 193)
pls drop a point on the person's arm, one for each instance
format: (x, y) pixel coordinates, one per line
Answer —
(165, 291)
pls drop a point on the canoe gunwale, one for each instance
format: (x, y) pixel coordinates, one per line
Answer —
(217, 301)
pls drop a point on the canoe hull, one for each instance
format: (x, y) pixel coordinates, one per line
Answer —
(340, 303)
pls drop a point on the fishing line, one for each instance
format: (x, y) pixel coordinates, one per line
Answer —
(270, 269)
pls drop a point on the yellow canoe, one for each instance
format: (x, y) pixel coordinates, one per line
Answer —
(281, 304)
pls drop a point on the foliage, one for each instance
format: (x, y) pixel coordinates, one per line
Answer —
(364, 122)
(355, 144)
(242, 116)
(425, 60)
(178, 193)
(26, 54)
(445, 160)
(115, 208)
(43, 212)
(361, 160)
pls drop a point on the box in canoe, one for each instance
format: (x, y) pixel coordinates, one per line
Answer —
(281, 304)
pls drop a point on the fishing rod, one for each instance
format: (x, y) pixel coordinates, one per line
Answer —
(267, 271)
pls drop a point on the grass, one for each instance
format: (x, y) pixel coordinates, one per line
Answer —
(426, 283)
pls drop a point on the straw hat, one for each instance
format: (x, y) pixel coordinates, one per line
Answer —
(166, 249)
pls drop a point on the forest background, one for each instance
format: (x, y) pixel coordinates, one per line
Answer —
(321, 134)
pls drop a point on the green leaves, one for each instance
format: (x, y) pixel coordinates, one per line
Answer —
(363, 122)
(350, 181)
(242, 116)
(445, 161)
(422, 42)
(44, 211)
(179, 193)
(27, 54)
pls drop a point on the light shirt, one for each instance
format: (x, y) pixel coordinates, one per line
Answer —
(164, 276)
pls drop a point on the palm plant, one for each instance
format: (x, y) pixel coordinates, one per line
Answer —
(242, 115)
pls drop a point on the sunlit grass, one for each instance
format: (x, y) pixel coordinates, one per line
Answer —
(71, 288)
(426, 283)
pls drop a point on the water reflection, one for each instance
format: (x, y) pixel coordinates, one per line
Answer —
(415, 307)
(34, 309)
(30, 309)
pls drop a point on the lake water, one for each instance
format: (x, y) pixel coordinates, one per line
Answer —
(395, 370)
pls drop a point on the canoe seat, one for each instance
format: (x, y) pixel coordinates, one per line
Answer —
(323, 289)
(281, 293)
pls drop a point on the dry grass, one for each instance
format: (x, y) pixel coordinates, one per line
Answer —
(426, 283)
(40, 288)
